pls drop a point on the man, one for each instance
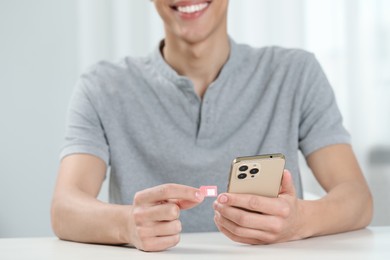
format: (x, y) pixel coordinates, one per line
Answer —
(168, 123)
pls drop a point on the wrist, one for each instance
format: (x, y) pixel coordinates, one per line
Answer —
(124, 225)
(306, 228)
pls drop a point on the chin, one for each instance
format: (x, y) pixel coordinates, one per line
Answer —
(194, 36)
(194, 39)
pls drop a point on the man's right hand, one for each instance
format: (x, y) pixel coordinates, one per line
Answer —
(151, 224)
(155, 224)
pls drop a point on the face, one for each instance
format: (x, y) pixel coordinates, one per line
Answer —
(193, 20)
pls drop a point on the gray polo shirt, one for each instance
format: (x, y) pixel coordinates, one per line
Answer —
(149, 126)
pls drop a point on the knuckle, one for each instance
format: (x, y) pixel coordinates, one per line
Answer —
(141, 232)
(173, 211)
(146, 245)
(235, 238)
(178, 226)
(242, 219)
(276, 227)
(269, 238)
(138, 216)
(136, 198)
(164, 190)
(238, 231)
(285, 211)
(254, 203)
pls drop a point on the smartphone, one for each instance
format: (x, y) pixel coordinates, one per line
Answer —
(258, 175)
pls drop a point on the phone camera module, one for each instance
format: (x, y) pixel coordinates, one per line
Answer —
(242, 176)
(243, 168)
(254, 171)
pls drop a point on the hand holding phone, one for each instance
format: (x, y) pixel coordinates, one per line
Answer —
(258, 175)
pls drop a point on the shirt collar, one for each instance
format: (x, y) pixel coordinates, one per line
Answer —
(163, 68)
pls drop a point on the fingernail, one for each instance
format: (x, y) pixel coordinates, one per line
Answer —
(217, 214)
(215, 204)
(223, 199)
(199, 195)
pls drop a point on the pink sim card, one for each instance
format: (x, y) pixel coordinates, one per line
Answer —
(209, 191)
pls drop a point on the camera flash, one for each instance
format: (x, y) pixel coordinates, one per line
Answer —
(209, 191)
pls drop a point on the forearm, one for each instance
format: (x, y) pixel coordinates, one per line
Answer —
(80, 217)
(348, 206)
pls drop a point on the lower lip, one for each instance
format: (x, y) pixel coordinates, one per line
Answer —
(190, 16)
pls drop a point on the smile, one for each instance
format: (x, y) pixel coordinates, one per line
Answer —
(192, 8)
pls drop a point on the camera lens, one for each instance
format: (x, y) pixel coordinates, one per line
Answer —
(242, 176)
(243, 168)
(254, 171)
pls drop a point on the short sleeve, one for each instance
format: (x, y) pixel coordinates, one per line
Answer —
(84, 131)
(321, 123)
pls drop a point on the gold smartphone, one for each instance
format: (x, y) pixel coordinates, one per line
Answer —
(258, 175)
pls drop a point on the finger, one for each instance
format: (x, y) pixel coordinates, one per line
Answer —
(165, 192)
(260, 204)
(162, 212)
(154, 244)
(243, 218)
(287, 186)
(168, 228)
(159, 229)
(235, 237)
(185, 204)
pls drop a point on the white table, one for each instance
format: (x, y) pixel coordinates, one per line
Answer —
(370, 243)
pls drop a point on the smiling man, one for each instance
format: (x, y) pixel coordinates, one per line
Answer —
(169, 123)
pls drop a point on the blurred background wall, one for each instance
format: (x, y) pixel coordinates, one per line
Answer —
(46, 44)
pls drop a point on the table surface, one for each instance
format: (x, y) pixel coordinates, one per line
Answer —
(369, 243)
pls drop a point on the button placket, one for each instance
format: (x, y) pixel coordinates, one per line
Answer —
(192, 102)
(206, 115)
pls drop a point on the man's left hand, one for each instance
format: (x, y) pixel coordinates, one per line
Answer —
(253, 219)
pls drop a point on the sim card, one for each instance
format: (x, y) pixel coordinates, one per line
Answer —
(209, 191)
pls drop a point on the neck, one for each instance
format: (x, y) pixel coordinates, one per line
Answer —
(201, 61)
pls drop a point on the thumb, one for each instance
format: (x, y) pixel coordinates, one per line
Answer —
(287, 186)
(188, 204)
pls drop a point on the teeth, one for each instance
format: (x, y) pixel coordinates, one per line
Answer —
(192, 8)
